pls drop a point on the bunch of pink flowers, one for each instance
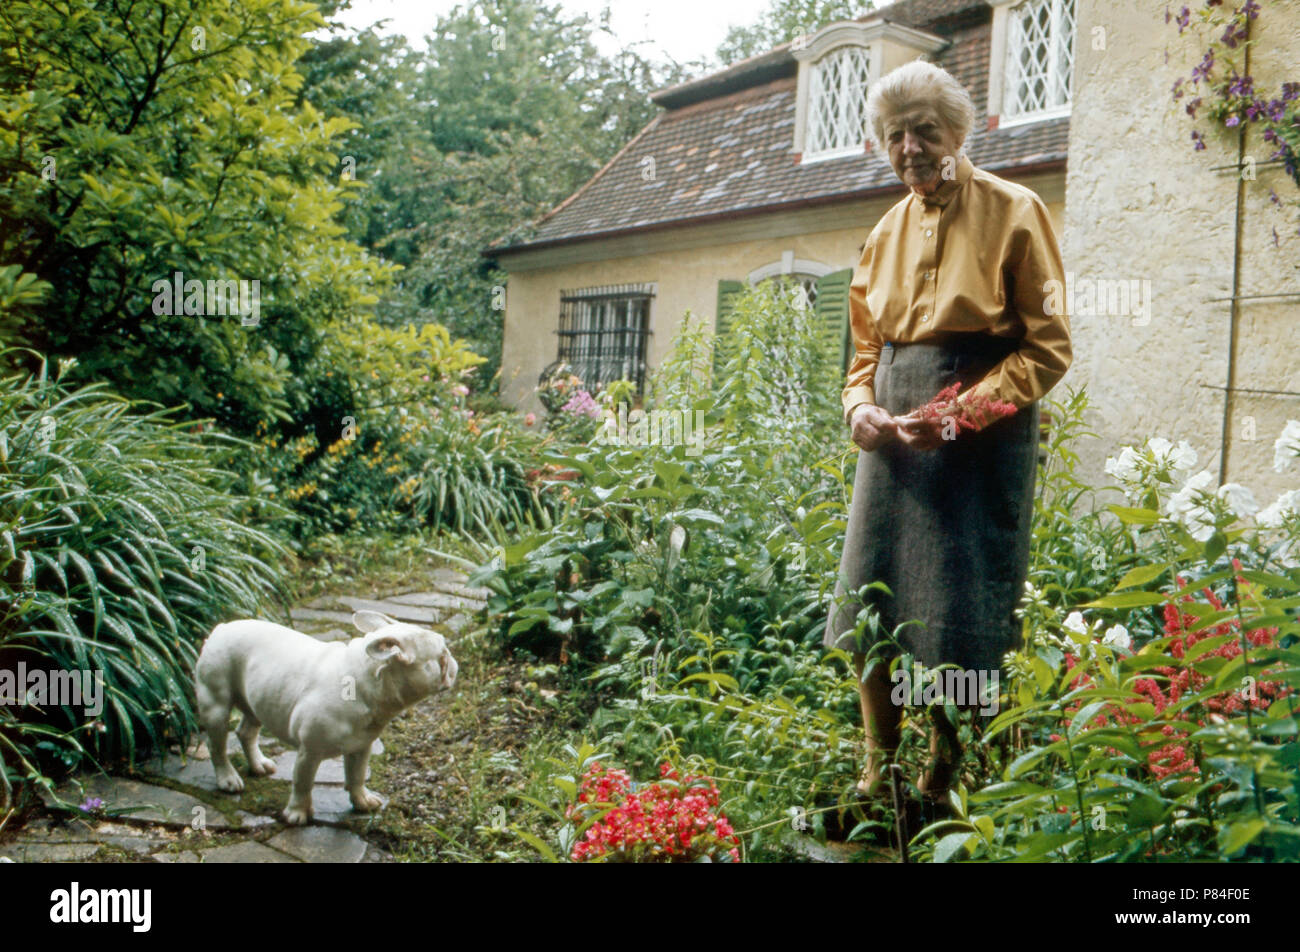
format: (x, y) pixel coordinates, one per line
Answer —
(973, 414)
(674, 820)
(1172, 757)
(582, 402)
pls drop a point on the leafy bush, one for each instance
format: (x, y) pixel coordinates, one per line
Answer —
(1165, 726)
(120, 547)
(393, 444)
(691, 613)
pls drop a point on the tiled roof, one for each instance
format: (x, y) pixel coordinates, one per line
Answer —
(725, 153)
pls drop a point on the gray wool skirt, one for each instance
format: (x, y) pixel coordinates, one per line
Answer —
(947, 530)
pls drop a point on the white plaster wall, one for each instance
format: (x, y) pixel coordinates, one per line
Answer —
(1141, 203)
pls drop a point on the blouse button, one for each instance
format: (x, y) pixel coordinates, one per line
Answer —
(928, 275)
(929, 232)
(925, 316)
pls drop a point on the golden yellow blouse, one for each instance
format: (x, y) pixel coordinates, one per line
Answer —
(977, 255)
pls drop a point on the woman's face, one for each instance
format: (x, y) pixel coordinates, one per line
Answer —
(918, 143)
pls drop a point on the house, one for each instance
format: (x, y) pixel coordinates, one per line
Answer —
(762, 171)
(1184, 264)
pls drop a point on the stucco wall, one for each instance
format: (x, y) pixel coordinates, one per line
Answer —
(687, 279)
(1141, 203)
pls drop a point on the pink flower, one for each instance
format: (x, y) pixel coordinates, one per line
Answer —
(581, 402)
(530, 419)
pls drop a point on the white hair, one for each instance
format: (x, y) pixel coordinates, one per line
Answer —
(914, 84)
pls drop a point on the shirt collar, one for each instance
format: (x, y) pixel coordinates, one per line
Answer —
(947, 189)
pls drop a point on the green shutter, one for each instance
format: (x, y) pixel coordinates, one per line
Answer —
(727, 291)
(832, 312)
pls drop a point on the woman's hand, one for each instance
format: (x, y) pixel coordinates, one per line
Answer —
(920, 434)
(873, 427)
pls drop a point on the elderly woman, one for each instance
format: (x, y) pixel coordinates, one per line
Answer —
(952, 287)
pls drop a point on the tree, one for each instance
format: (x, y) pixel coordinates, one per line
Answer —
(136, 143)
(511, 110)
(783, 21)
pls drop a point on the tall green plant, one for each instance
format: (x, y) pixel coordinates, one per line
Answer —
(120, 547)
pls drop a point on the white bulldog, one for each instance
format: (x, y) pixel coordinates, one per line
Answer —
(329, 699)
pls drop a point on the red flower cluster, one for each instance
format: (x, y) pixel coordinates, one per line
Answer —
(1172, 757)
(973, 414)
(674, 821)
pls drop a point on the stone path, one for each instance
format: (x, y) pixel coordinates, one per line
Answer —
(169, 810)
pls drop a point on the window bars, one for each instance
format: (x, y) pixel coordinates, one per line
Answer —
(604, 333)
(837, 104)
(1040, 58)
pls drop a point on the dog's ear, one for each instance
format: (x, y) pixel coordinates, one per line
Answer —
(388, 648)
(370, 621)
(449, 668)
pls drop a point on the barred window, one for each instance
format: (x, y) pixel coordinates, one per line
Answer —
(837, 102)
(1040, 58)
(604, 333)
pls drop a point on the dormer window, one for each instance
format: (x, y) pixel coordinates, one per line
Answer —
(837, 65)
(1033, 59)
(837, 102)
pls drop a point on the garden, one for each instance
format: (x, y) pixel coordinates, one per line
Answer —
(645, 680)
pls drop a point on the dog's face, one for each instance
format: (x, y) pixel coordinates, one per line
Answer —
(415, 660)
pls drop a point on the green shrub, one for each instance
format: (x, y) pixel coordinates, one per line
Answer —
(1164, 726)
(120, 547)
(392, 444)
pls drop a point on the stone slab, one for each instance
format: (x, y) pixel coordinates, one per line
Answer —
(250, 851)
(34, 852)
(476, 593)
(333, 807)
(395, 610)
(185, 856)
(143, 801)
(320, 844)
(439, 600)
(458, 623)
(315, 614)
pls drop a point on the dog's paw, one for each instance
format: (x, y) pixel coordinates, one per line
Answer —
(296, 816)
(230, 782)
(367, 802)
(262, 767)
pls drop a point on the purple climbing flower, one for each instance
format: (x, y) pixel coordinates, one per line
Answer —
(1290, 91)
(1251, 9)
(91, 805)
(1231, 121)
(1192, 105)
(1199, 140)
(1184, 18)
(1202, 69)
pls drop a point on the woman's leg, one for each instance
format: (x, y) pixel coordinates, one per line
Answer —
(881, 718)
(945, 755)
